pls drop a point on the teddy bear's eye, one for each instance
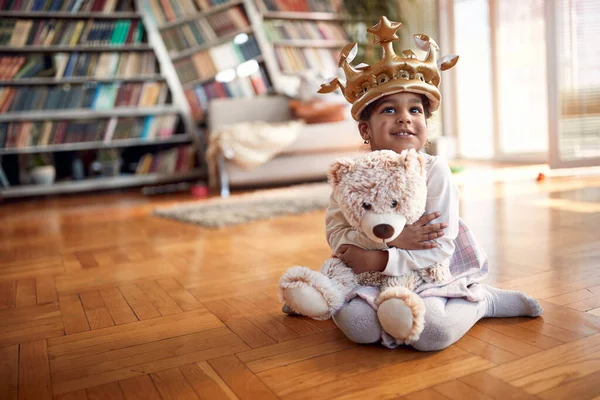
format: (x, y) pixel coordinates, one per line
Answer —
(394, 203)
(367, 206)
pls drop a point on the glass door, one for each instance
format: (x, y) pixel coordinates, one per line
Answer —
(573, 28)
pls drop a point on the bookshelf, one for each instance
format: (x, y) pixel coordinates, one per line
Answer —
(86, 84)
(214, 48)
(299, 36)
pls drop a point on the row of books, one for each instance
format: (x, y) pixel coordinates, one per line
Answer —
(179, 159)
(65, 65)
(294, 30)
(206, 64)
(332, 6)
(201, 31)
(255, 84)
(172, 10)
(86, 96)
(105, 6)
(187, 35)
(47, 32)
(40, 134)
(293, 60)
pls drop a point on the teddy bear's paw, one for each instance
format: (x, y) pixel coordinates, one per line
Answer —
(438, 273)
(307, 301)
(401, 313)
(310, 293)
(396, 318)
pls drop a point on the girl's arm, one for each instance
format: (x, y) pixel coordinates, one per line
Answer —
(442, 196)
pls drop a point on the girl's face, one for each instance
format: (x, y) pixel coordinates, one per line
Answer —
(397, 123)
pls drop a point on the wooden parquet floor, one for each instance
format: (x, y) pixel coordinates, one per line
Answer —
(101, 300)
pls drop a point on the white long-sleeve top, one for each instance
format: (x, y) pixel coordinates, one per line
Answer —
(442, 197)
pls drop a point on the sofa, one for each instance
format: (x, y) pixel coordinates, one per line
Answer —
(307, 159)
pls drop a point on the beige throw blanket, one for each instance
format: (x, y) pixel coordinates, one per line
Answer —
(249, 144)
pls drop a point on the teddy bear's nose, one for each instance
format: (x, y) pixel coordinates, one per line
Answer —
(383, 231)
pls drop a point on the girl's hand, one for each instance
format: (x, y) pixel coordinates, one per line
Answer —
(361, 260)
(418, 236)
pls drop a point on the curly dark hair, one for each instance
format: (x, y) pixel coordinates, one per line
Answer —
(365, 115)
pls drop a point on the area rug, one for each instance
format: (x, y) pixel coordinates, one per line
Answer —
(254, 206)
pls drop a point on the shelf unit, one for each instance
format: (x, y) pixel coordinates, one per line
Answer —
(99, 184)
(198, 48)
(72, 49)
(119, 143)
(76, 80)
(303, 40)
(168, 100)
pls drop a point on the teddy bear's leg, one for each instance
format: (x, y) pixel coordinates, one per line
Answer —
(401, 313)
(317, 294)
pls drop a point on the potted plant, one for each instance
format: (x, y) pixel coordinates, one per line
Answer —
(42, 171)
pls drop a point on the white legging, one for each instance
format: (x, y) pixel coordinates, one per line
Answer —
(446, 321)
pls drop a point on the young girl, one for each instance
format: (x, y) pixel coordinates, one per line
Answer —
(398, 122)
(392, 111)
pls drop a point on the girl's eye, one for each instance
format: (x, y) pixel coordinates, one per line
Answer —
(389, 110)
(416, 110)
(394, 203)
(366, 206)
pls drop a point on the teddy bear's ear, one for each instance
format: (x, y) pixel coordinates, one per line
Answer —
(338, 169)
(411, 160)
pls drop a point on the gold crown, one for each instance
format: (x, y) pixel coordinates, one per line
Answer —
(392, 74)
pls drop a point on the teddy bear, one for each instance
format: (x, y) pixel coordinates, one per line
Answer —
(378, 193)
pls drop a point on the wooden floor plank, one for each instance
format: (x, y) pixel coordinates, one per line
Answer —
(239, 324)
(131, 356)
(240, 379)
(139, 303)
(34, 372)
(395, 381)
(117, 306)
(182, 297)
(558, 375)
(45, 289)
(495, 388)
(95, 310)
(139, 387)
(76, 395)
(485, 350)
(163, 303)
(502, 341)
(206, 382)
(26, 293)
(109, 391)
(73, 315)
(521, 334)
(583, 388)
(305, 378)
(426, 394)
(32, 331)
(148, 367)
(456, 390)
(8, 294)
(172, 385)
(94, 350)
(14, 316)
(9, 372)
(550, 358)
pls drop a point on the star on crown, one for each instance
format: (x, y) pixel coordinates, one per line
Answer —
(384, 31)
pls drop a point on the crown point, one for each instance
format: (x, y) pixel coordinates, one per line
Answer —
(384, 30)
(447, 62)
(348, 53)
